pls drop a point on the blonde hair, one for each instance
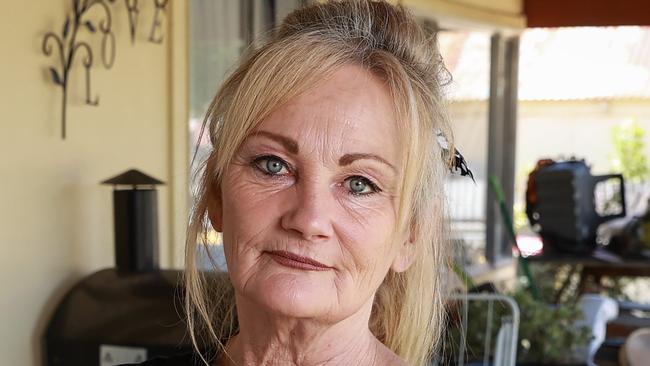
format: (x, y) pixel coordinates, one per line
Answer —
(310, 44)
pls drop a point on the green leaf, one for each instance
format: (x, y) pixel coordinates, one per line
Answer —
(628, 156)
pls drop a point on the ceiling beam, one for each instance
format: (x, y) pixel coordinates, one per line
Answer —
(575, 13)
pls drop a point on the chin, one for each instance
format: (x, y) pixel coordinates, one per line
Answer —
(295, 294)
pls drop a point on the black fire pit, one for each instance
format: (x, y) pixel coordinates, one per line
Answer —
(128, 313)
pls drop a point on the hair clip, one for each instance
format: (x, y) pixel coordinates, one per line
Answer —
(459, 164)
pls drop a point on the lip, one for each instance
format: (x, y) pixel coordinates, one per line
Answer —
(296, 261)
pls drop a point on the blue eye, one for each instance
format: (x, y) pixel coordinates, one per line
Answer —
(271, 165)
(360, 186)
(274, 166)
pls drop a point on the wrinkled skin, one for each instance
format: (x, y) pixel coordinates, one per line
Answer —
(318, 178)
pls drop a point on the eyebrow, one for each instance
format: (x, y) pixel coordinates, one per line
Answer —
(348, 159)
(292, 146)
(288, 143)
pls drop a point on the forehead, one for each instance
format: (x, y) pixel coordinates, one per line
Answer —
(350, 110)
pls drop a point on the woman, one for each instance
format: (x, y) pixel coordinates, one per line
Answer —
(326, 182)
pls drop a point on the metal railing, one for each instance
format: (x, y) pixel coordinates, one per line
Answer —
(501, 351)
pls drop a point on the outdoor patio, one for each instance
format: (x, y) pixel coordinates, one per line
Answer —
(103, 103)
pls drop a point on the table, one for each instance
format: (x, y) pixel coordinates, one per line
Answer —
(597, 265)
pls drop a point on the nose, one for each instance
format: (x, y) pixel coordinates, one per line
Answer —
(309, 215)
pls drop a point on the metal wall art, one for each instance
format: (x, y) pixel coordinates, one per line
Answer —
(155, 35)
(132, 10)
(68, 45)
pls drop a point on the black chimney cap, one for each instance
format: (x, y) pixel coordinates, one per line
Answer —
(133, 177)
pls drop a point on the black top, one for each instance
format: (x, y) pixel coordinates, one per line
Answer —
(188, 359)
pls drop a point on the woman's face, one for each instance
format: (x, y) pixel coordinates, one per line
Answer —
(308, 206)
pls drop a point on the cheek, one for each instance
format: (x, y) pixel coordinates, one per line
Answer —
(247, 201)
(365, 231)
(367, 216)
(370, 217)
(249, 210)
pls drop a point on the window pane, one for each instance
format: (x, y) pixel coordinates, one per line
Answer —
(216, 40)
(215, 44)
(467, 57)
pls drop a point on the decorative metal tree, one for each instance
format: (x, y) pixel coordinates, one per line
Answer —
(68, 46)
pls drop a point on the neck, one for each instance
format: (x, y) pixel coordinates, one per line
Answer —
(269, 339)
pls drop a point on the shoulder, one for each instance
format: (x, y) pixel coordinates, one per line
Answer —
(179, 360)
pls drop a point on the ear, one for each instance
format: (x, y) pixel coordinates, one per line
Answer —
(215, 208)
(406, 253)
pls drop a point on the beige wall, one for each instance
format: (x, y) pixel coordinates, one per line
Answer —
(55, 218)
